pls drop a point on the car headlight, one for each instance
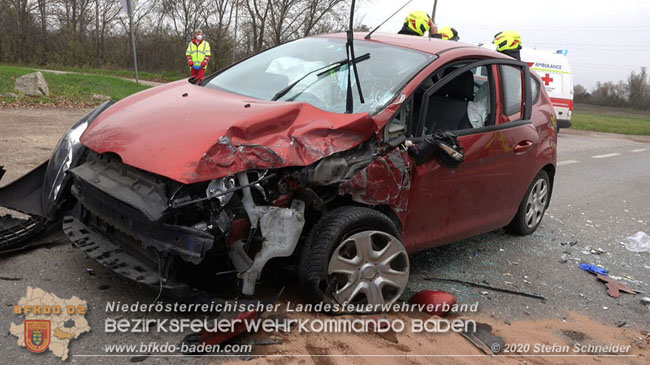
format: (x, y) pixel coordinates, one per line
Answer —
(67, 155)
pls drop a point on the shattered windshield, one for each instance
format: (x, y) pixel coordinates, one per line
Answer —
(381, 76)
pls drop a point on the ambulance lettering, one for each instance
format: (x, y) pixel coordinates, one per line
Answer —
(548, 65)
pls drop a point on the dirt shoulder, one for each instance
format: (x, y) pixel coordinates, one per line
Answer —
(574, 339)
(29, 135)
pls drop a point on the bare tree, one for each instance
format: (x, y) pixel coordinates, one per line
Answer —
(19, 21)
(638, 89)
(96, 32)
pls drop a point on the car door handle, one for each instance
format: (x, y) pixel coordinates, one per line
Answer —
(523, 146)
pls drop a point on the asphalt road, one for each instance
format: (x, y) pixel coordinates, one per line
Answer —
(601, 196)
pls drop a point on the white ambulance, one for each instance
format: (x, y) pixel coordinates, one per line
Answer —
(554, 70)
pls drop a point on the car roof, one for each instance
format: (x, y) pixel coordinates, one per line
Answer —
(423, 44)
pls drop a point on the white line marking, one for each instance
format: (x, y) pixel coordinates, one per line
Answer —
(567, 162)
(639, 150)
(606, 156)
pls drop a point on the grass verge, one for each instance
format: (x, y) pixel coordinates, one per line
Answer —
(611, 120)
(167, 76)
(67, 89)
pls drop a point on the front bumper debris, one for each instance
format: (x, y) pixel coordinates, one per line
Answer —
(114, 257)
(133, 202)
(24, 194)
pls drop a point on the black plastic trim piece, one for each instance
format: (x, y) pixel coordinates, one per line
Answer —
(102, 250)
(24, 194)
(190, 244)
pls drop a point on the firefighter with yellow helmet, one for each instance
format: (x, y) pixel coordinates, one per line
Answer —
(508, 43)
(418, 23)
(448, 34)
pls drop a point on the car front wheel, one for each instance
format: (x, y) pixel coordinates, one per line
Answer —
(532, 208)
(354, 255)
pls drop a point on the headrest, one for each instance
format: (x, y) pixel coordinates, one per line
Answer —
(461, 87)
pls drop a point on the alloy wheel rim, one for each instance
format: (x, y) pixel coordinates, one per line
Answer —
(369, 267)
(536, 203)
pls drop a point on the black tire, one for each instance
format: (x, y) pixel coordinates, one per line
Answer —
(518, 225)
(324, 237)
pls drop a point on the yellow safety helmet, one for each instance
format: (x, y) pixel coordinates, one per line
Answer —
(449, 33)
(419, 22)
(507, 41)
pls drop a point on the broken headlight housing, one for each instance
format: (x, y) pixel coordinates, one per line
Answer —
(68, 154)
(221, 189)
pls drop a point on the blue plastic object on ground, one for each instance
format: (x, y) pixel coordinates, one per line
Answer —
(593, 269)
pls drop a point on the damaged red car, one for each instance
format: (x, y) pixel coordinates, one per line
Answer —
(346, 165)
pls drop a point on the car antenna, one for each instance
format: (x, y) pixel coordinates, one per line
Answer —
(349, 47)
(387, 19)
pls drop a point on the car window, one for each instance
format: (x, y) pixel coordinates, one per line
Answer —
(512, 91)
(534, 88)
(462, 103)
(479, 108)
(382, 76)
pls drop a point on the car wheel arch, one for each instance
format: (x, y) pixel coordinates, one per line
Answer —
(385, 209)
(550, 170)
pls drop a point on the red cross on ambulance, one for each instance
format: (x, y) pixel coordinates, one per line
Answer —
(547, 79)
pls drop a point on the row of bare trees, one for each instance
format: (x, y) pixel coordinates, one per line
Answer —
(635, 93)
(94, 33)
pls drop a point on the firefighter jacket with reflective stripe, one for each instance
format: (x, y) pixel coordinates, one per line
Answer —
(198, 53)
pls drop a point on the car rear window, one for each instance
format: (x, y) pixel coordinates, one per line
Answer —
(382, 76)
(534, 87)
(512, 90)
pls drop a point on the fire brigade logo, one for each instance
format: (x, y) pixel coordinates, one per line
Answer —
(37, 334)
(50, 323)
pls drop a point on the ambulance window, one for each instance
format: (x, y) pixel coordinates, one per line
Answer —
(511, 89)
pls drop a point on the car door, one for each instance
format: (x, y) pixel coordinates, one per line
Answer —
(483, 193)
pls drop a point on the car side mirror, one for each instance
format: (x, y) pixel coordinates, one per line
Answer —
(396, 128)
(444, 145)
(395, 133)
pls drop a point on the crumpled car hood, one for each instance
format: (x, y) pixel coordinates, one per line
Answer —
(191, 134)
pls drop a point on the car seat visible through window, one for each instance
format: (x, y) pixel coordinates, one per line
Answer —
(447, 109)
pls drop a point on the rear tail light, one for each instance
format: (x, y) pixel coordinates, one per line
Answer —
(571, 105)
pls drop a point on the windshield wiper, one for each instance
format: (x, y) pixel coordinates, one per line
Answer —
(326, 69)
(349, 47)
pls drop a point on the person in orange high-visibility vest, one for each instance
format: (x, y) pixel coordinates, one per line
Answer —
(198, 55)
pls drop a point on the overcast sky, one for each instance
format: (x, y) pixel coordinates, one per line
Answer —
(605, 39)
